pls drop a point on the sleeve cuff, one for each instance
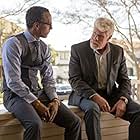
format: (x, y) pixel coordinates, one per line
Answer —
(30, 98)
(52, 95)
(93, 95)
(124, 99)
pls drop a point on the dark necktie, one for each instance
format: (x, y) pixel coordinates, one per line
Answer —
(36, 56)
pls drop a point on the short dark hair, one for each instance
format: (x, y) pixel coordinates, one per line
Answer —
(34, 14)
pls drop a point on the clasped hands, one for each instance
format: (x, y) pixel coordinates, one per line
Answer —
(118, 109)
(47, 113)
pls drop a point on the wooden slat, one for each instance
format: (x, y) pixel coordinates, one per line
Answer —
(61, 137)
(111, 128)
(56, 131)
(113, 123)
(11, 137)
(121, 136)
(114, 130)
(11, 129)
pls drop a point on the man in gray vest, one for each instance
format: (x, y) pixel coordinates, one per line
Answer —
(23, 56)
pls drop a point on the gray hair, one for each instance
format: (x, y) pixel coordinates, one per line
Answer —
(104, 25)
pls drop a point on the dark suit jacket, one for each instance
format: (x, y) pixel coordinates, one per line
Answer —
(83, 72)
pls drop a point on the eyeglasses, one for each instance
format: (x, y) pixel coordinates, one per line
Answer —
(50, 24)
(100, 36)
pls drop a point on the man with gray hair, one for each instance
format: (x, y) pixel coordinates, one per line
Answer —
(98, 76)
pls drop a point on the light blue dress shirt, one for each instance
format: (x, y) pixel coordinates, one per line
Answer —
(11, 60)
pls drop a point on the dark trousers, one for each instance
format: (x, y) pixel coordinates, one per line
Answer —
(32, 123)
(92, 118)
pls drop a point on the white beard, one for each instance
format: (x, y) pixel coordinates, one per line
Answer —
(94, 46)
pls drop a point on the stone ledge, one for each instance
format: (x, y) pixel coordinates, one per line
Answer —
(111, 128)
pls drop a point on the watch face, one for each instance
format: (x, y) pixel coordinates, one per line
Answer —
(125, 100)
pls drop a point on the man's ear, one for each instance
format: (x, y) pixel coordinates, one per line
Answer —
(36, 25)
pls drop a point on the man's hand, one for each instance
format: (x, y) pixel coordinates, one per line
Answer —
(103, 104)
(119, 108)
(42, 110)
(53, 108)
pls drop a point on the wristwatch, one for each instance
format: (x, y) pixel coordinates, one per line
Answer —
(124, 99)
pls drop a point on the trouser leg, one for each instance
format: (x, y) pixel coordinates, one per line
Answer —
(92, 119)
(133, 116)
(67, 119)
(28, 117)
(70, 121)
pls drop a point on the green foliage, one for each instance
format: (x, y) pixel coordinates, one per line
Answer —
(1, 95)
(7, 29)
(54, 54)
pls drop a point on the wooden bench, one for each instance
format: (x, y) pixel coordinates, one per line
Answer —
(111, 128)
